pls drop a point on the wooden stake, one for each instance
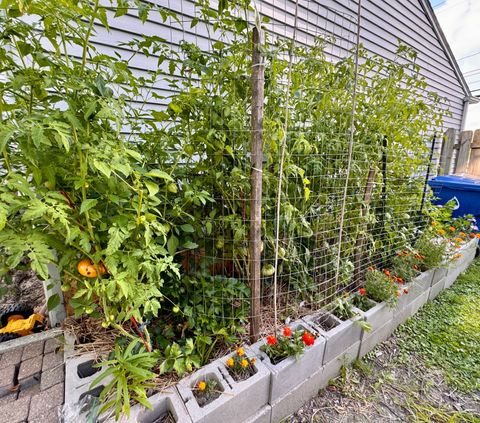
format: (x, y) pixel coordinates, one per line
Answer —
(256, 182)
(358, 255)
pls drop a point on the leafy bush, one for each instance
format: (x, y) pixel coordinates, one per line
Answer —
(432, 250)
(380, 287)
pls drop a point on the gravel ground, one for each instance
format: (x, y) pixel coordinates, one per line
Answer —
(25, 288)
(386, 386)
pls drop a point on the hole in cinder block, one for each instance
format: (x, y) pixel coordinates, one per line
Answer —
(89, 400)
(86, 369)
(326, 321)
(163, 412)
(212, 391)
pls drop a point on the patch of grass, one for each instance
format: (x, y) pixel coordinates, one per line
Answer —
(446, 333)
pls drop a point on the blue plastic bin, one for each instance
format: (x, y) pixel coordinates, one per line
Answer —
(465, 191)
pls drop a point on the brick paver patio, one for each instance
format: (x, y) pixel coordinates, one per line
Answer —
(32, 383)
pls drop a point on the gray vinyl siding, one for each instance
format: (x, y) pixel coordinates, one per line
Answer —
(383, 23)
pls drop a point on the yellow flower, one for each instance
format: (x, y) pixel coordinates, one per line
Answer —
(202, 385)
(230, 362)
(240, 352)
(244, 363)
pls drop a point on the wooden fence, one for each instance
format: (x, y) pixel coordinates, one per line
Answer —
(460, 154)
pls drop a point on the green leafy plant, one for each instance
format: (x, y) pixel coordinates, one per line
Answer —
(181, 359)
(361, 301)
(206, 391)
(290, 343)
(380, 287)
(431, 249)
(240, 366)
(130, 369)
(406, 265)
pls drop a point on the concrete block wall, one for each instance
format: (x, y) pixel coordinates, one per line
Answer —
(276, 391)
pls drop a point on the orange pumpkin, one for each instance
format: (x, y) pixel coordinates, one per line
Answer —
(87, 268)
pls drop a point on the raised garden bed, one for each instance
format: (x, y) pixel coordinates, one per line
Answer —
(292, 371)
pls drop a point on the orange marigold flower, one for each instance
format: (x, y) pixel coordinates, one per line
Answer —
(240, 352)
(434, 223)
(440, 232)
(477, 235)
(458, 239)
(308, 339)
(415, 267)
(244, 363)
(362, 291)
(371, 268)
(399, 280)
(387, 272)
(397, 294)
(201, 385)
(462, 234)
(287, 331)
(271, 340)
(451, 229)
(230, 362)
(405, 290)
(253, 360)
(472, 236)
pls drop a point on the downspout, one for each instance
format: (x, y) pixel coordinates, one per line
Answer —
(466, 102)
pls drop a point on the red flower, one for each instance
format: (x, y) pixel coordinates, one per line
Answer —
(308, 339)
(405, 290)
(287, 331)
(362, 291)
(271, 340)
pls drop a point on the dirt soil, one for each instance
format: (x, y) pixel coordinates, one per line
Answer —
(25, 288)
(384, 388)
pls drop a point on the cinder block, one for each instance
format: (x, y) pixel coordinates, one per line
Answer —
(250, 395)
(421, 283)
(439, 274)
(263, 416)
(294, 399)
(436, 289)
(341, 337)
(379, 315)
(292, 371)
(216, 411)
(417, 303)
(79, 374)
(372, 339)
(165, 402)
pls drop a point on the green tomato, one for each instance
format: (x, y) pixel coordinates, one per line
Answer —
(105, 325)
(66, 287)
(89, 310)
(172, 188)
(175, 309)
(268, 270)
(220, 243)
(189, 150)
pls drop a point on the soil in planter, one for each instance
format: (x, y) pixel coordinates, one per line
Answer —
(248, 373)
(166, 418)
(325, 322)
(206, 397)
(364, 305)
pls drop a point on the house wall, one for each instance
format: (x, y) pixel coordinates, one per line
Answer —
(383, 23)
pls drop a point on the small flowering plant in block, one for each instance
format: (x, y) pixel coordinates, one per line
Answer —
(360, 300)
(206, 391)
(290, 343)
(382, 286)
(240, 366)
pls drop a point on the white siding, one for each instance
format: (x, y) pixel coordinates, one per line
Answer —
(383, 24)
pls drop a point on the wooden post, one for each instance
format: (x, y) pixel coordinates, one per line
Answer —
(358, 255)
(447, 152)
(256, 182)
(474, 164)
(465, 139)
(427, 175)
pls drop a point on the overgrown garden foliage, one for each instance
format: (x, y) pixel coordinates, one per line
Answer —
(158, 200)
